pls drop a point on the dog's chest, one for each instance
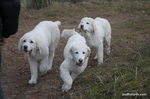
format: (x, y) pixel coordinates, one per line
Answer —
(77, 69)
(90, 42)
(37, 56)
(90, 39)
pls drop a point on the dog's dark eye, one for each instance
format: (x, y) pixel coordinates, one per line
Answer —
(76, 52)
(83, 52)
(24, 40)
(31, 41)
(87, 22)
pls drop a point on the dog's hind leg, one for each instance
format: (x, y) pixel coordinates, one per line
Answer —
(107, 40)
(51, 56)
(100, 54)
(95, 56)
(43, 66)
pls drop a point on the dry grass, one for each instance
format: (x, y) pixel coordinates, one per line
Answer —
(126, 70)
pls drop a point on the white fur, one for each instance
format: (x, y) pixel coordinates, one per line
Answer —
(39, 47)
(68, 33)
(76, 55)
(94, 31)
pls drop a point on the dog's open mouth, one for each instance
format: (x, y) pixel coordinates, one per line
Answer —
(79, 64)
(27, 53)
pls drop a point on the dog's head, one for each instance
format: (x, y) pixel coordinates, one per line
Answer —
(87, 25)
(79, 53)
(31, 45)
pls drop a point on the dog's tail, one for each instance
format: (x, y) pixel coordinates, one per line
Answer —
(58, 23)
(68, 33)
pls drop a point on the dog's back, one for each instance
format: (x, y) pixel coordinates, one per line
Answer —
(105, 25)
(68, 33)
(107, 31)
(72, 36)
(76, 38)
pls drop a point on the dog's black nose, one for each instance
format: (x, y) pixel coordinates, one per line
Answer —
(25, 47)
(80, 60)
(81, 26)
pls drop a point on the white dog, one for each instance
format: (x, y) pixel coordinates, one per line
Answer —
(39, 47)
(94, 31)
(76, 55)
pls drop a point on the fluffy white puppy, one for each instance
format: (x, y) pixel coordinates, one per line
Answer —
(76, 54)
(94, 31)
(39, 47)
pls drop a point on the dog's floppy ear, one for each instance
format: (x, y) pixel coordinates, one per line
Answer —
(43, 48)
(95, 27)
(20, 44)
(68, 52)
(89, 51)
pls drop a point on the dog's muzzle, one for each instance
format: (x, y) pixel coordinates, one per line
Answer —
(80, 62)
(26, 52)
(25, 48)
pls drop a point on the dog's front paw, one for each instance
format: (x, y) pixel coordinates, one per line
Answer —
(32, 82)
(65, 88)
(100, 62)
